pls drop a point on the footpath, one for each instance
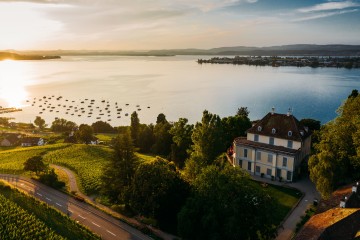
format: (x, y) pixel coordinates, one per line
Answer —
(287, 230)
(133, 222)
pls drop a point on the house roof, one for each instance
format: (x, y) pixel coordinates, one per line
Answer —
(12, 137)
(332, 224)
(282, 123)
(273, 148)
(32, 140)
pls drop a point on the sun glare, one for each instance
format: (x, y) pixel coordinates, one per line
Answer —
(12, 84)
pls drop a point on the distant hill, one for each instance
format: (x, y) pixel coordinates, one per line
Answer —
(285, 50)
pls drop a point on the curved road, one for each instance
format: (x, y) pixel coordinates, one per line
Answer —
(98, 222)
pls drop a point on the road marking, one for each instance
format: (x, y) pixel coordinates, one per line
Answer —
(22, 184)
(39, 194)
(48, 199)
(111, 233)
(95, 224)
(81, 217)
(58, 204)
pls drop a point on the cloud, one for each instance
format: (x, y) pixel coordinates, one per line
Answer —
(328, 6)
(323, 15)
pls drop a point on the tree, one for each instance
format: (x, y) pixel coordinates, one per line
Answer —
(39, 122)
(337, 157)
(207, 137)
(51, 179)
(243, 112)
(161, 118)
(35, 164)
(163, 138)
(233, 127)
(312, 124)
(119, 172)
(85, 134)
(135, 127)
(63, 125)
(181, 132)
(158, 191)
(354, 93)
(226, 204)
(102, 127)
(146, 138)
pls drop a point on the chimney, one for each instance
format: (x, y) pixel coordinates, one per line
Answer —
(343, 202)
(289, 112)
(355, 187)
(272, 110)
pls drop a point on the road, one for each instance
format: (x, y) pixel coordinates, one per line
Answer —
(100, 223)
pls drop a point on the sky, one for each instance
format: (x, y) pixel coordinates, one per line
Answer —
(175, 24)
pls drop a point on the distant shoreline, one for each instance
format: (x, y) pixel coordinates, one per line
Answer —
(275, 61)
(15, 56)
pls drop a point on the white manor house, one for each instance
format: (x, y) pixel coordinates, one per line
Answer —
(274, 147)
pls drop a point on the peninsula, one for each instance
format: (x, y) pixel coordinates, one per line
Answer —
(276, 61)
(15, 56)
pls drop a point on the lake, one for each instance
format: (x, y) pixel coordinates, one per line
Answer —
(176, 86)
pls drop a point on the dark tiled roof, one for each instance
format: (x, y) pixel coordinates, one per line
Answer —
(273, 148)
(336, 223)
(32, 140)
(282, 123)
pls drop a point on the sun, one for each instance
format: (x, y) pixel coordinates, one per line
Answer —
(12, 83)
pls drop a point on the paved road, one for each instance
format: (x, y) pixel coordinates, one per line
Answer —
(74, 188)
(100, 223)
(310, 193)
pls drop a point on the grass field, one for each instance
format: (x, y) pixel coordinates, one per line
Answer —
(23, 217)
(286, 199)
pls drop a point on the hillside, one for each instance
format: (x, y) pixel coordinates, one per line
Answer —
(283, 50)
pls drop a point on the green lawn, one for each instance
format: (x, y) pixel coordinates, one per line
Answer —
(106, 137)
(285, 198)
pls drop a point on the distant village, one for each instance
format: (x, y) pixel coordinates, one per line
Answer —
(276, 61)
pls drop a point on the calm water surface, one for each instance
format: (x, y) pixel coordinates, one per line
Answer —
(176, 86)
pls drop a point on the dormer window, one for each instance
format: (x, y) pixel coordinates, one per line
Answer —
(259, 128)
(289, 133)
(273, 131)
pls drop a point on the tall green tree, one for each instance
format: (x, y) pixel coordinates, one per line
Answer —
(39, 122)
(181, 132)
(119, 172)
(158, 191)
(163, 138)
(85, 134)
(226, 204)
(63, 125)
(233, 127)
(243, 112)
(337, 157)
(135, 127)
(102, 127)
(35, 164)
(146, 138)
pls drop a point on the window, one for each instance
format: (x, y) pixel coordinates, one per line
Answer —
(289, 133)
(284, 162)
(271, 141)
(288, 175)
(245, 153)
(256, 138)
(278, 172)
(258, 155)
(249, 166)
(290, 144)
(259, 128)
(273, 131)
(257, 169)
(270, 158)
(268, 172)
(240, 163)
